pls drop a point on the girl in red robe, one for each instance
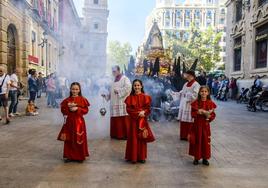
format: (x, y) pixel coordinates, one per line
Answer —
(73, 132)
(138, 107)
(200, 135)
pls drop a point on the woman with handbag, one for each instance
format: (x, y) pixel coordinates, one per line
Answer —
(139, 108)
(200, 135)
(73, 132)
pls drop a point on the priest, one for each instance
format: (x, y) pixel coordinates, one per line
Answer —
(119, 91)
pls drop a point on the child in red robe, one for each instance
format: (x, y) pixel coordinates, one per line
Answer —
(138, 107)
(73, 132)
(200, 135)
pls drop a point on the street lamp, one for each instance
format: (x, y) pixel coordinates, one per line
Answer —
(42, 44)
(44, 40)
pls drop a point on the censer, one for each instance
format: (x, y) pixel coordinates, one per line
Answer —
(103, 110)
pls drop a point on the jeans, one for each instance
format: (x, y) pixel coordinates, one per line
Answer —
(51, 99)
(32, 96)
(14, 101)
(39, 93)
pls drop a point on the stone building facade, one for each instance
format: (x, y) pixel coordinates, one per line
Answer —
(247, 40)
(70, 31)
(178, 16)
(29, 35)
(94, 35)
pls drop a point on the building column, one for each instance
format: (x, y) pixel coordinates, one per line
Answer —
(3, 34)
(24, 38)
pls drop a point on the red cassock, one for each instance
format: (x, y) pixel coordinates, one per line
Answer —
(75, 145)
(119, 127)
(136, 149)
(200, 136)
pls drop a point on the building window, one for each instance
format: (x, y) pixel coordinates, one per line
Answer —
(262, 2)
(178, 18)
(96, 2)
(261, 46)
(261, 54)
(188, 14)
(178, 23)
(197, 14)
(222, 20)
(33, 43)
(237, 53)
(238, 14)
(209, 14)
(178, 13)
(223, 11)
(167, 19)
(96, 26)
(187, 23)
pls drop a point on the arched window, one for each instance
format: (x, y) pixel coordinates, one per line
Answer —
(11, 48)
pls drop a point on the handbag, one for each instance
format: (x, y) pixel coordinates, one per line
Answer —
(145, 133)
(64, 134)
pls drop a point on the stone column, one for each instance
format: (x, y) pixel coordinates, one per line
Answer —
(24, 38)
(3, 34)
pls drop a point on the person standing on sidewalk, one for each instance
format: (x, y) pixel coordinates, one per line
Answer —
(13, 93)
(40, 84)
(32, 86)
(51, 91)
(4, 87)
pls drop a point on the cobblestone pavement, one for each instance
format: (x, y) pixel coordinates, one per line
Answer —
(30, 156)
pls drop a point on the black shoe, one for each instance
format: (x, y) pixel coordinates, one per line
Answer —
(80, 161)
(195, 162)
(142, 161)
(67, 160)
(7, 121)
(205, 162)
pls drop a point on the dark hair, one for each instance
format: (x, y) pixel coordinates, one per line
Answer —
(132, 90)
(117, 67)
(75, 84)
(199, 96)
(191, 72)
(33, 72)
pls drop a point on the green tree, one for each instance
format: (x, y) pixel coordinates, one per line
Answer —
(203, 45)
(119, 54)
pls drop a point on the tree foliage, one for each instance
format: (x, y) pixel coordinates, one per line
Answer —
(203, 45)
(119, 53)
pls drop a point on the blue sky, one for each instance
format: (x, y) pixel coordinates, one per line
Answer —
(126, 19)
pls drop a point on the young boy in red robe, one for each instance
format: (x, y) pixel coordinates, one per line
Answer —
(73, 132)
(138, 107)
(200, 135)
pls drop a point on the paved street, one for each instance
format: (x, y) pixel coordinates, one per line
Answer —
(30, 156)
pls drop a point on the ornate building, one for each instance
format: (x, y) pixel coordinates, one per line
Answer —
(94, 34)
(29, 35)
(247, 38)
(178, 16)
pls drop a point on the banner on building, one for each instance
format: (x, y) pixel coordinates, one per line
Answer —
(33, 60)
